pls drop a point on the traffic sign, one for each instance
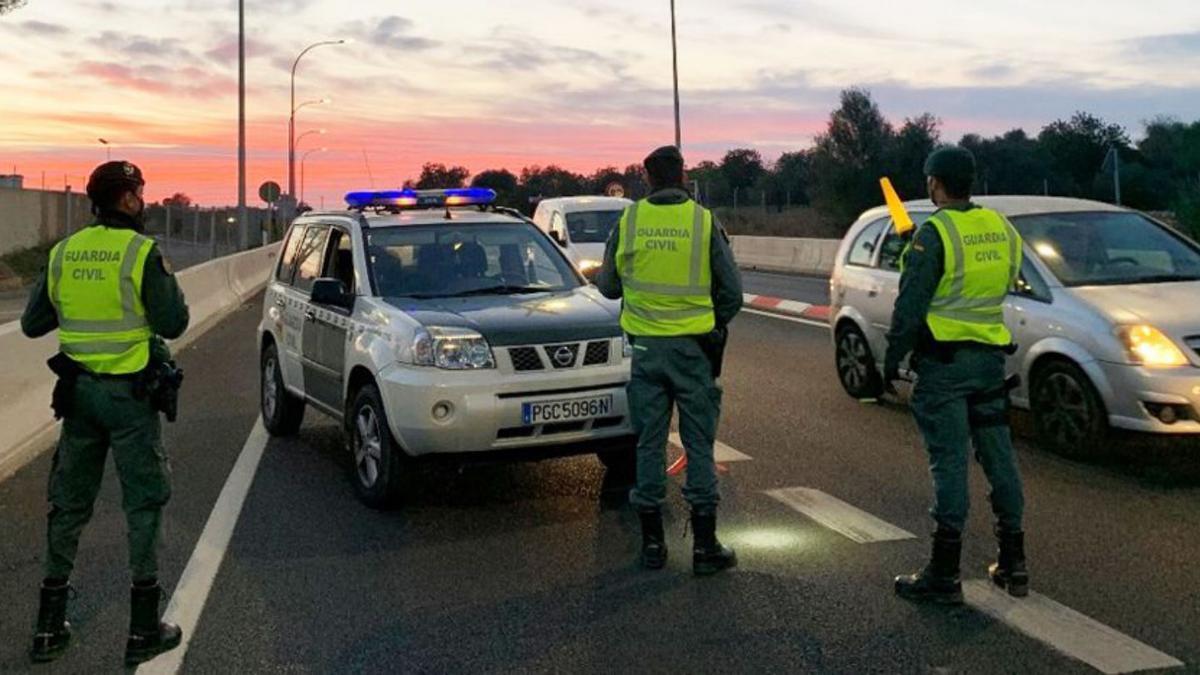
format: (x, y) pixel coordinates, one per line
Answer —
(615, 189)
(269, 192)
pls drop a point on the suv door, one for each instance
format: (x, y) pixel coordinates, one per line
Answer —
(327, 328)
(854, 286)
(309, 258)
(283, 298)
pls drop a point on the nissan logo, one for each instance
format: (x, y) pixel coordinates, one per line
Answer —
(563, 356)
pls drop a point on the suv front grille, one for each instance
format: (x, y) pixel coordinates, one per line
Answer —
(562, 356)
(525, 359)
(596, 354)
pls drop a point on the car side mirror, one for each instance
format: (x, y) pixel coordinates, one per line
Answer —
(558, 238)
(331, 292)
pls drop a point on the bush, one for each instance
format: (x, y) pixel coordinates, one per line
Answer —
(27, 263)
(1187, 212)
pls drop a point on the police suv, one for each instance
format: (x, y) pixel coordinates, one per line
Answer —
(432, 323)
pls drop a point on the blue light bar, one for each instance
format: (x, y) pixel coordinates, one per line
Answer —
(420, 199)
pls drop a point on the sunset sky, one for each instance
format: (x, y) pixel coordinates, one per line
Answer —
(579, 83)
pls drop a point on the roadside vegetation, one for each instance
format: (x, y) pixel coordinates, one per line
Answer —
(19, 267)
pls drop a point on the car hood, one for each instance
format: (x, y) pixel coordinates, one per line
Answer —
(588, 251)
(1170, 307)
(535, 318)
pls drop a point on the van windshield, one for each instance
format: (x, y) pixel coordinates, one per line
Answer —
(480, 259)
(592, 227)
(1118, 248)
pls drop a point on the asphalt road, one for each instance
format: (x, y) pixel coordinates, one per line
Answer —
(528, 568)
(813, 290)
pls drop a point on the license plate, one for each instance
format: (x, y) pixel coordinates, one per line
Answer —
(573, 410)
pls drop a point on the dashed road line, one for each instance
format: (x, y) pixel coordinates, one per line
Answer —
(1066, 630)
(191, 594)
(721, 452)
(835, 514)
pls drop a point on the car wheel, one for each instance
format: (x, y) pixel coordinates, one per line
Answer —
(282, 412)
(1068, 415)
(620, 461)
(856, 364)
(377, 457)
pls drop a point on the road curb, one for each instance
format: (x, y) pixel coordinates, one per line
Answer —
(784, 307)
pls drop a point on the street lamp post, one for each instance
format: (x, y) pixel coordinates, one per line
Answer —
(302, 136)
(304, 158)
(243, 226)
(107, 149)
(292, 114)
(675, 72)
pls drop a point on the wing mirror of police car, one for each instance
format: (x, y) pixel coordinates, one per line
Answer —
(331, 292)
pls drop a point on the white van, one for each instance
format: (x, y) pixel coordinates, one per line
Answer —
(581, 226)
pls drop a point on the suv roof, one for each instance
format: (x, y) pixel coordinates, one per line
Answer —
(587, 203)
(1013, 205)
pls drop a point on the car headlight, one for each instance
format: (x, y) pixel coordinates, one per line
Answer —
(626, 347)
(1148, 346)
(452, 349)
(588, 264)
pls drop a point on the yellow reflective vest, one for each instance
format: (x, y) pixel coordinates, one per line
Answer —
(95, 283)
(665, 269)
(982, 261)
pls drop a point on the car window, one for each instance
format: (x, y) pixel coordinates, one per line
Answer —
(309, 256)
(862, 251)
(1108, 248)
(339, 262)
(287, 261)
(592, 227)
(1031, 284)
(442, 260)
(893, 244)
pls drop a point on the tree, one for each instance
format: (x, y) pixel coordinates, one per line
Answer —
(636, 184)
(436, 176)
(1012, 164)
(1077, 149)
(504, 182)
(178, 200)
(551, 181)
(909, 148)
(786, 184)
(742, 168)
(7, 6)
(598, 182)
(849, 158)
(714, 188)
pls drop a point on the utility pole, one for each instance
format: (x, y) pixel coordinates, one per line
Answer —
(243, 226)
(675, 72)
(1117, 174)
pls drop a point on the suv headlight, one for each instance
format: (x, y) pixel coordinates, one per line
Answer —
(1148, 346)
(626, 347)
(452, 349)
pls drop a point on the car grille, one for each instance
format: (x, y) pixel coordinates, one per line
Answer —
(560, 356)
(1194, 343)
(525, 359)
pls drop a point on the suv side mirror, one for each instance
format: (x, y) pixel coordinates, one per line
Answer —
(331, 292)
(558, 238)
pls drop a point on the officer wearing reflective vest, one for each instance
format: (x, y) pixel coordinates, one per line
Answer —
(670, 262)
(956, 274)
(112, 297)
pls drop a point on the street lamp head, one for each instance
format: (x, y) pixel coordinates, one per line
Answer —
(346, 41)
(326, 101)
(102, 141)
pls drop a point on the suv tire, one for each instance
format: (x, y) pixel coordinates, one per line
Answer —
(855, 364)
(1068, 414)
(378, 460)
(621, 461)
(282, 411)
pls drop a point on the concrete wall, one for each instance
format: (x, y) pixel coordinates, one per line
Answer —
(783, 254)
(32, 217)
(27, 426)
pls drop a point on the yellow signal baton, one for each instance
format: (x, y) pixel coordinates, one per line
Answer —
(903, 222)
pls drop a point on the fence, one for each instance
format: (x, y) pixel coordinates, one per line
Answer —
(189, 235)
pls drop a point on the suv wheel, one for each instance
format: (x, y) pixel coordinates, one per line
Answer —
(1068, 415)
(282, 412)
(377, 458)
(621, 461)
(856, 365)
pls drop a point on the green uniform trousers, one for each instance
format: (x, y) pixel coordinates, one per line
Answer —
(105, 414)
(673, 372)
(958, 404)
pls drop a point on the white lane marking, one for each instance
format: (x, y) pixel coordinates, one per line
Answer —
(187, 603)
(1066, 630)
(10, 327)
(793, 319)
(721, 452)
(835, 514)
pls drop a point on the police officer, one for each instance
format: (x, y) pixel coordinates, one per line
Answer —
(112, 297)
(949, 315)
(670, 261)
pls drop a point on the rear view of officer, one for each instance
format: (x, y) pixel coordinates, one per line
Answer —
(112, 298)
(957, 272)
(670, 261)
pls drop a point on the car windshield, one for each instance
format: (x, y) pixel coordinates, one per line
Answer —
(1096, 249)
(592, 227)
(463, 259)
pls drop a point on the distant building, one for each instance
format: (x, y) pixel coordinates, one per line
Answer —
(12, 181)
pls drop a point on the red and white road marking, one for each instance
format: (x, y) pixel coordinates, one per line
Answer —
(795, 308)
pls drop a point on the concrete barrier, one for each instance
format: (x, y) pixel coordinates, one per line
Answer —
(783, 254)
(27, 426)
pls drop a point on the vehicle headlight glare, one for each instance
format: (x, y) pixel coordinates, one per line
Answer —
(452, 349)
(1148, 346)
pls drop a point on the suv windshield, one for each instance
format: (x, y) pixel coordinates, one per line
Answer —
(592, 227)
(1092, 249)
(457, 260)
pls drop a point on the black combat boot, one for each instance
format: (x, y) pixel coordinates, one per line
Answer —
(938, 582)
(708, 555)
(1009, 571)
(654, 544)
(148, 636)
(53, 634)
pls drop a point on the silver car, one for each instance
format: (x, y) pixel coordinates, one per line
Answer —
(1106, 317)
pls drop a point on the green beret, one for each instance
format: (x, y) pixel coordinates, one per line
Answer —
(950, 163)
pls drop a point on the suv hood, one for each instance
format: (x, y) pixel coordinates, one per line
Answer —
(534, 318)
(1170, 307)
